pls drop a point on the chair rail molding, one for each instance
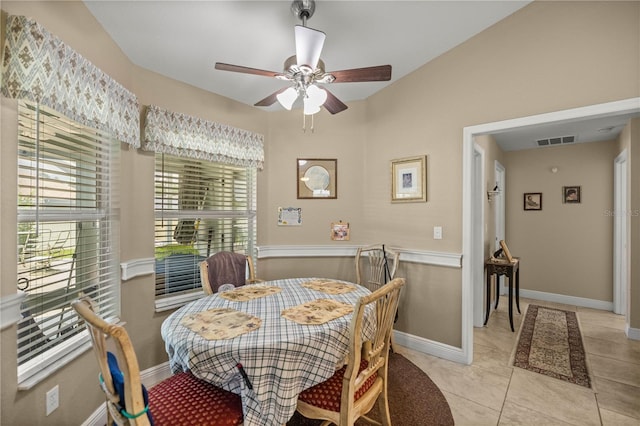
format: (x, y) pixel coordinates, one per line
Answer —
(136, 267)
(10, 309)
(453, 260)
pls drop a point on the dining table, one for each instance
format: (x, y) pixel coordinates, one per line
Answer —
(266, 342)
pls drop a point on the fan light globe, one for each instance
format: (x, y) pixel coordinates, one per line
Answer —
(314, 99)
(287, 98)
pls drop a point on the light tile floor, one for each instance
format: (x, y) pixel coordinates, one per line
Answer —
(490, 392)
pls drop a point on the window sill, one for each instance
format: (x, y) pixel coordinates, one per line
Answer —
(173, 302)
(37, 370)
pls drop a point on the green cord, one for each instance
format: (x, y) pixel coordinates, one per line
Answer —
(122, 410)
(133, 416)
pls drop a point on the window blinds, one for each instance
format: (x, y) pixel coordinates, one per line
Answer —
(67, 232)
(201, 208)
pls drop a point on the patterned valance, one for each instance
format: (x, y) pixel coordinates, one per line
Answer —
(39, 67)
(185, 136)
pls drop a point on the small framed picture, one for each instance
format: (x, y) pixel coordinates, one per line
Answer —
(409, 180)
(571, 194)
(533, 200)
(317, 178)
(340, 231)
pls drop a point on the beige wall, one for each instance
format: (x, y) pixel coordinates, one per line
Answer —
(496, 75)
(564, 248)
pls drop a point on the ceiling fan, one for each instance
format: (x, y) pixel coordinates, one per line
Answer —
(305, 70)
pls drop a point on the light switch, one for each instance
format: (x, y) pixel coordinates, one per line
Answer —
(437, 232)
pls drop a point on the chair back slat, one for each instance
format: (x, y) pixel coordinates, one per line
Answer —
(376, 265)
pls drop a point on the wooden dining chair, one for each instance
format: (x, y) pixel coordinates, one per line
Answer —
(376, 265)
(355, 388)
(181, 399)
(226, 268)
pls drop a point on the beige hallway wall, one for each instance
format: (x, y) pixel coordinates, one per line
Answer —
(565, 249)
(538, 60)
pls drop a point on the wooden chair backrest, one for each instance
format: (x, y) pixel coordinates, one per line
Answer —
(204, 275)
(375, 350)
(128, 362)
(371, 264)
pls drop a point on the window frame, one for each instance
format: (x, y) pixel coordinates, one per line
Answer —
(220, 202)
(74, 144)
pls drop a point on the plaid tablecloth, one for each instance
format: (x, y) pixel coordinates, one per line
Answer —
(281, 358)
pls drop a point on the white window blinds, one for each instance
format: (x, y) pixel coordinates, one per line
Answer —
(201, 208)
(67, 231)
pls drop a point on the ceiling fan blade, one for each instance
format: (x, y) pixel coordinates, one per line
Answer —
(245, 70)
(309, 44)
(333, 104)
(271, 99)
(377, 73)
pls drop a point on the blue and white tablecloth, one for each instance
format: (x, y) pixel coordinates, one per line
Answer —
(281, 358)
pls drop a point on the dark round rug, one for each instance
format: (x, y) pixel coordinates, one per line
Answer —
(414, 400)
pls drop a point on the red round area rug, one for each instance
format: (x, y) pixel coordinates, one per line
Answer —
(414, 400)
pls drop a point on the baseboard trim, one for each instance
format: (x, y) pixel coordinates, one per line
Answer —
(564, 299)
(430, 347)
(632, 333)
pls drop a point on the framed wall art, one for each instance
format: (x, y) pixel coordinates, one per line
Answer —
(571, 194)
(409, 179)
(289, 216)
(532, 201)
(317, 178)
(340, 231)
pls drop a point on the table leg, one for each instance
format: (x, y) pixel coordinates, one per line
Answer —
(497, 290)
(488, 296)
(518, 289)
(511, 300)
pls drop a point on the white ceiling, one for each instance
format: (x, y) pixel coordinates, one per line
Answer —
(184, 39)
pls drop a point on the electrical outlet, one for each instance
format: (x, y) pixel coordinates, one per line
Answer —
(437, 232)
(52, 399)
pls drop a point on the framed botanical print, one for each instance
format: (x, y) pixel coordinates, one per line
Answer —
(409, 179)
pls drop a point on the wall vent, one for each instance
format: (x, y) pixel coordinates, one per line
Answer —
(559, 140)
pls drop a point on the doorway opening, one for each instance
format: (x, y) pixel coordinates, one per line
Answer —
(472, 250)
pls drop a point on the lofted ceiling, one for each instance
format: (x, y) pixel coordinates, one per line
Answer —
(184, 39)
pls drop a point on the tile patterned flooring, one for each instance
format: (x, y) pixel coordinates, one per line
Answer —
(490, 392)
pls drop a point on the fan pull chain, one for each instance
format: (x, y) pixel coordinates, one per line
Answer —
(304, 123)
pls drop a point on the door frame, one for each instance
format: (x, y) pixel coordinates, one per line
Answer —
(472, 253)
(499, 209)
(620, 233)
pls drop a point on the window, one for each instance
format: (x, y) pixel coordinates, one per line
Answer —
(67, 233)
(201, 208)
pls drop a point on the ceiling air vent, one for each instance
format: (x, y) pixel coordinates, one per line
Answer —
(556, 140)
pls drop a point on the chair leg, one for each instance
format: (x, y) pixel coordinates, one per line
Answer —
(383, 409)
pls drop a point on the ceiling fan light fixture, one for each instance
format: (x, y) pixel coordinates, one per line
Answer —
(309, 44)
(287, 98)
(310, 108)
(314, 98)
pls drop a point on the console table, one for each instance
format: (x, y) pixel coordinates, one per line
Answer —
(509, 269)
